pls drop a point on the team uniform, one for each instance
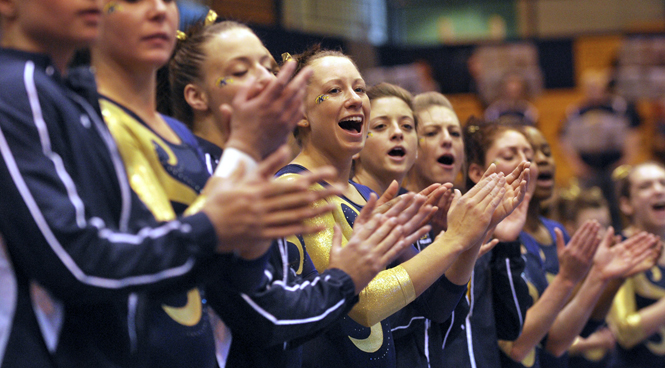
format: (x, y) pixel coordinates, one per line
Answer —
(78, 239)
(287, 309)
(168, 177)
(634, 348)
(420, 336)
(349, 343)
(498, 300)
(542, 265)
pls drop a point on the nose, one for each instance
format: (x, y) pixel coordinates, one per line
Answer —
(396, 134)
(659, 187)
(263, 76)
(540, 158)
(354, 101)
(447, 139)
(158, 10)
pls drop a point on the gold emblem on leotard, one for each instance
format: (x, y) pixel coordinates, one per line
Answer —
(373, 342)
(190, 314)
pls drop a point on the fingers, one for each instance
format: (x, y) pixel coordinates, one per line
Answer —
(487, 247)
(275, 88)
(399, 206)
(337, 239)
(389, 194)
(367, 210)
(271, 164)
(517, 175)
(416, 235)
(296, 215)
(429, 190)
(608, 239)
(560, 243)
(285, 88)
(456, 197)
(364, 231)
(409, 212)
(446, 197)
(490, 193)
(411, 223)
(490, 170)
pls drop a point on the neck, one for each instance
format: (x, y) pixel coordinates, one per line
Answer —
(60, 52)
(656, 230)
(312, 158)
(375, 183)
(207, 128)
(414, 182)
(533, 217)
(134, 88)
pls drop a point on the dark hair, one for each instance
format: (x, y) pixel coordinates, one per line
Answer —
(479, 135)
(186, 66)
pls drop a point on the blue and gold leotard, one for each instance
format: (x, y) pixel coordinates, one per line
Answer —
(635, 349)
(363, 338)
(168, 177)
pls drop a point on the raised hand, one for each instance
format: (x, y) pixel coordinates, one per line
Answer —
(509, 229)
(576, 258)
(442, 198)
(371, 248)
(470, 215)
(263, 116)
(248, 211)
(624, 259)
(516, 184)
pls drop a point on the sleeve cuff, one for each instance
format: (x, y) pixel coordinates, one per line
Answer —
(505, 250)
(231, 159)
(202, 234)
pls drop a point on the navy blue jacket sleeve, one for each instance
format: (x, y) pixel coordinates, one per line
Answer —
(436, 304)
(510, 292)
(285, 308)
(69, 219)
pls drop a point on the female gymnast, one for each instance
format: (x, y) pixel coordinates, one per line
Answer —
(332, 131)
(637, 317)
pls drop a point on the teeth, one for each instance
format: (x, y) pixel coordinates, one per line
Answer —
(356, 119)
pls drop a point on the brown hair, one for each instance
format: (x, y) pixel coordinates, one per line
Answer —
(427, 99)
(384, 89)
(479, 135)
(316, 52)
(186, 66)
(390, 90)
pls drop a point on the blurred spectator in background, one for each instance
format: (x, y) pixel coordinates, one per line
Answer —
(513, 101)
(599, 135)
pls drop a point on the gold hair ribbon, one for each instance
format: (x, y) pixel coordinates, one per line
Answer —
(473, 129)
(180, 35)
(286, 57)
(211, 18)
(112, 7)
(621, 172)
(321, 98)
